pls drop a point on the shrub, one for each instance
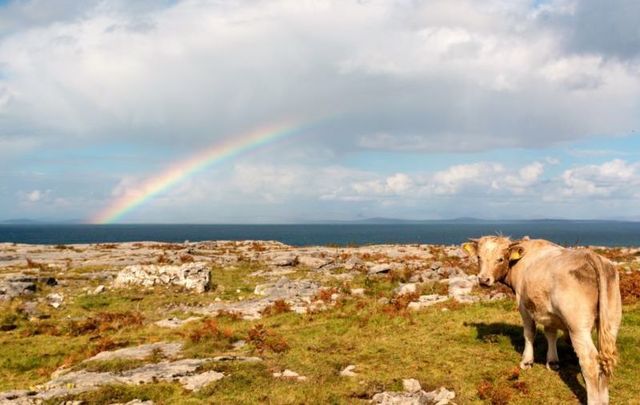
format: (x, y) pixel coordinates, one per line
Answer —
(277, 307)
(263, 339)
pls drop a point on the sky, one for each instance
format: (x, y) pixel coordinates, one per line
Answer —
(500, 109)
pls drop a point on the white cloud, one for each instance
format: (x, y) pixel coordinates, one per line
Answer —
(616, 179)
(447, 75)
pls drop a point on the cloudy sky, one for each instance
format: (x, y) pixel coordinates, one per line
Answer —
(406, 109)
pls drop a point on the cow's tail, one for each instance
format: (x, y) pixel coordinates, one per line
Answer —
(607, 352)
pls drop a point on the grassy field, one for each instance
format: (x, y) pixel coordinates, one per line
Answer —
(473, 349)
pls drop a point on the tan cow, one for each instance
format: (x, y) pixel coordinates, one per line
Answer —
(559, 288)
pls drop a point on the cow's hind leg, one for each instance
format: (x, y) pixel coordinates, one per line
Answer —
(529, 335)
(552, 349)
(588, 356)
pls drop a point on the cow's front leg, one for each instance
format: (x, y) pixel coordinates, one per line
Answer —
(552, 349)
(529, 334)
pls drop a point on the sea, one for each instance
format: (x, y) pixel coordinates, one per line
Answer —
(568, 233)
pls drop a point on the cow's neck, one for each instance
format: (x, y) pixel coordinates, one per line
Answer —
(510, 278)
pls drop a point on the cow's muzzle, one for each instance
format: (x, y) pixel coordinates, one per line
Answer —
(485, 281)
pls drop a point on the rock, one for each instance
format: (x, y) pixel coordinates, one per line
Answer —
(353, 263)
(245, 359)
(98, 290)
(16, 285)
(136, 402)
(383, 301)
(239, 344)
(291, 375)
(426, 301)
(192, 276)
(55, 299)
(314, 262)
(284, 260)
(174, 323)
(358, 292)
(411, 385)
(408, 288)
(424, 276)
(460, 288)
(441, 396)
(139, 352)
(380, 269)
(196, 382)
(348, 371)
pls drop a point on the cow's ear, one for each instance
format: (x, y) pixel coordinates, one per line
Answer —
(471, 248)
(515, 253)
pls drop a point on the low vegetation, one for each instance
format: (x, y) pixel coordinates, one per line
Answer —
(472, 349)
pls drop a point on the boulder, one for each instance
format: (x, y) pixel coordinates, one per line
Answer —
(380, 269)
(192, 276)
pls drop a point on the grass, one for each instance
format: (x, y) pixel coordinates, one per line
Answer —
(471, 349)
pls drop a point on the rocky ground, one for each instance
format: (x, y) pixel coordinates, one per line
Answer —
(260, 321)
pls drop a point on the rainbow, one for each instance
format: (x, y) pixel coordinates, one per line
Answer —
(198, 162)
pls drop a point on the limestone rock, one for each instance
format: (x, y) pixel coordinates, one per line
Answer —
(196, 382)
(192, 276)
(408, 288)
(55, 299)
(139, 352)
(348, 371)
(441, 396)
(426, 301)
(380, 269)
(411, 385)
(291, 375)
(173, 323)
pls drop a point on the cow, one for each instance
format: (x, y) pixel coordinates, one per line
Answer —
(561, 289)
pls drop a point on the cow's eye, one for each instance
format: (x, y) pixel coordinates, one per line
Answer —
(478, 257)
(500, 260)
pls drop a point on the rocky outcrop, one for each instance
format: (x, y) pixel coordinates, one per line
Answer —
(15, 285)
(139, 352)
(414, 395)
(184, 371)
(192, 276)
(297, 293)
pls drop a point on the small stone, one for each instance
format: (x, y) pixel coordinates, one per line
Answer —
(408, 288)
(411, 385)
(359, 292)
(99, 289)
(348, 371)
(55, 299)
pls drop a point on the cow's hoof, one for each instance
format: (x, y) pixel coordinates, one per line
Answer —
(553, 365)
(525, 365)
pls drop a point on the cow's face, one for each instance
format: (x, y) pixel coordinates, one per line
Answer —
(494, 253)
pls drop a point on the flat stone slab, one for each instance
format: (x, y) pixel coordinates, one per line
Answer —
(76, 382)
(139, 352)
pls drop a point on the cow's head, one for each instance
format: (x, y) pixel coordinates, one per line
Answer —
(495, 255)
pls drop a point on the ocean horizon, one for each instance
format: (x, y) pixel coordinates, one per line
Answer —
(564, 232)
